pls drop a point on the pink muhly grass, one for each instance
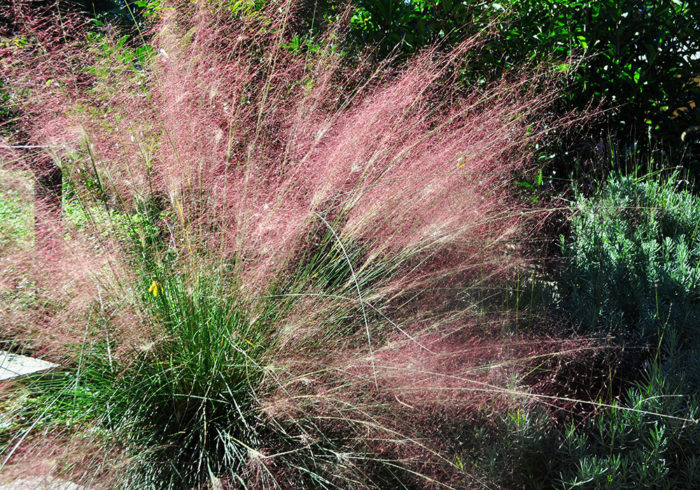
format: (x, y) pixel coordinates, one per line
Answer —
(410, 165)
(262, 161)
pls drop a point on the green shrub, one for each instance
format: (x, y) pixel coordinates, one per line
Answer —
(635, 258)
(646, 440)
(634, 269)
(633, 264)
(630, 445)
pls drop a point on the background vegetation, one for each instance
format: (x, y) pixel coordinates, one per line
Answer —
(639, 59)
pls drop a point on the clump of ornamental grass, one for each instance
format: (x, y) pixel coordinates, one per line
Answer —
(274, 265)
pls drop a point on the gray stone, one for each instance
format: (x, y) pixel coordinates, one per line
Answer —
(14, 365)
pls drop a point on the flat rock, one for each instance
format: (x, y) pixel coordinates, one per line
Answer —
(14, 365)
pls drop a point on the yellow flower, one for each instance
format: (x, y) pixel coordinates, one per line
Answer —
(155, 287)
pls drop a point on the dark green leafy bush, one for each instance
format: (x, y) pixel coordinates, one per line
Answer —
(640, 58)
